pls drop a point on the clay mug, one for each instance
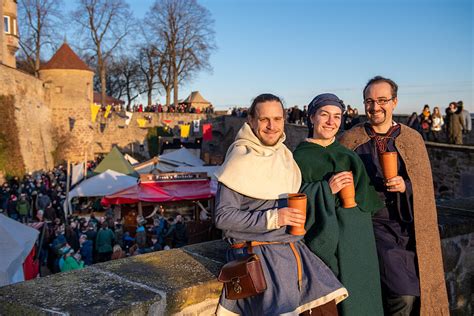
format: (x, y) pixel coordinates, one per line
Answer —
(389, 164)
(347, 195)
(297, 201)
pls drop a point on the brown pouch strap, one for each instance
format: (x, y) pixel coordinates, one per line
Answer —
(251, 244)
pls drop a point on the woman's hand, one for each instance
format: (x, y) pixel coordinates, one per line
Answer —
(291, 217)
(340, 180)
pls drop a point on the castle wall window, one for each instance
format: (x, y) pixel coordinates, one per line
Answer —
(59, 89)
(6, 24)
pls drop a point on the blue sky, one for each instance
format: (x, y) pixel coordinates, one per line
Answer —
(300, 48)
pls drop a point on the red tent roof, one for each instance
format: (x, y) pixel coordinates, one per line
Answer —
(162, 192)
(65, 58)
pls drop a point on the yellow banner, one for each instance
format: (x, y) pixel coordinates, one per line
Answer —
(94, 111)
(141, 122)
(185, 130)
(107, 110)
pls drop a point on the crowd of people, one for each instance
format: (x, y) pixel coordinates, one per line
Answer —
(432, 125)
(160, 108)
(72, 242)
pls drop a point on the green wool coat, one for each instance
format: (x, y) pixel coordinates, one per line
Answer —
(342, 238)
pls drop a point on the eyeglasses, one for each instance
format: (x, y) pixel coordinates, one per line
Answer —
(378, 101)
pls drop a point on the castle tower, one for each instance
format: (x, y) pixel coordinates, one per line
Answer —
(9, 42)
(69, 92)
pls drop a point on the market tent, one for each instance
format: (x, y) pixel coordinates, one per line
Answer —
(103, 184)
(181, 156)
(117, 162)
(166, 191)
(196, 100)
(16, 242)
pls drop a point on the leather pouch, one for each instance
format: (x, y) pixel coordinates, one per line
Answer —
(243, 277)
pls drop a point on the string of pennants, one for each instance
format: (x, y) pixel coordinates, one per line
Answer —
(185, 129)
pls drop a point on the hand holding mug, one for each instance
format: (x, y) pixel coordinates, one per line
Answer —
(340, 180)
(396, 184)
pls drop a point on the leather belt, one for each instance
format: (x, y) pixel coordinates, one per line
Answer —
(250, 244)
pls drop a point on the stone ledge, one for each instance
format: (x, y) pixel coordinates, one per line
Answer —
(179, 281)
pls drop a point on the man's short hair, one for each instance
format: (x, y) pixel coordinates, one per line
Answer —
(378, 79)
(265, 97)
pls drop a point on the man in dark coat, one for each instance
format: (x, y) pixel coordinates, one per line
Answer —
(455, 123)
(409, 271)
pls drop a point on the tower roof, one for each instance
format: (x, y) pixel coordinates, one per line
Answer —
(65, 58)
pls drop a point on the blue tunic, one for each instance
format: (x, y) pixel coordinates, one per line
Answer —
(244, 219)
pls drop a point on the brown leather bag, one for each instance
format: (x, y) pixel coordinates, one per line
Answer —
(243, 277)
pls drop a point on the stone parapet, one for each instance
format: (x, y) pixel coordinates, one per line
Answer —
(183, 281)
(174, 282)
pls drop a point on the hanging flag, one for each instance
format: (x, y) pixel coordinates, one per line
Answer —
(196, 125)
(129, 117)
(167, 122)
(94, 111)
(207, 131)
(107, 110)
(141, 122)
(77, 173)
(185, 130)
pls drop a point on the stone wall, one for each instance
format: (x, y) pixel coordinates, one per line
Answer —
(32, 117)
(453, 169)
(114, 132)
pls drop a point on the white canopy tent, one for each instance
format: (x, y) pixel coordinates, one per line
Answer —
(182, 156)
(106, 183)
(16, 242)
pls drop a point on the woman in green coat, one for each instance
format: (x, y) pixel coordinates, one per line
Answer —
(342, 237)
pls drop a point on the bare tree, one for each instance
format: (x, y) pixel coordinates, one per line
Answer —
(108, 23)
(185, 28)
(39, 21)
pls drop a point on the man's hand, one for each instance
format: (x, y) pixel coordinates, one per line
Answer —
(340, 180)
(290, 216)
(396, 184)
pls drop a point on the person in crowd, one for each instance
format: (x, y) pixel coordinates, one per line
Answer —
(411, 272)
(104, 243)
(342, 237)
(140, 234)
(257, 174)
(178, 232)
(12, 209)
(414, 122)
(466, 117)
(72, 235)
(437, 124)
(118, 253)
(86, 250)
(425, 122)
(23, 208)
(72, 261)
(454, 124)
